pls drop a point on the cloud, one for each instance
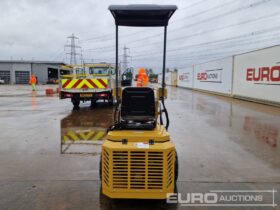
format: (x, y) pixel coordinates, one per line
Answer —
(38, 29)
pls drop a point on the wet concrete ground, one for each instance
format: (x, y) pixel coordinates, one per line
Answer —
(49, 154)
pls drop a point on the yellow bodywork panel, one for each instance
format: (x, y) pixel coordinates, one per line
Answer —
(84, 75)
(119, 92)
(137, 170)
(159, 93)
(159, 134)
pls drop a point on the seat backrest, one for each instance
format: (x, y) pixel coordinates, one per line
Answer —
(138, 104)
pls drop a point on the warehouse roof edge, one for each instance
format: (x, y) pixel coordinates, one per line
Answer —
(32, 61)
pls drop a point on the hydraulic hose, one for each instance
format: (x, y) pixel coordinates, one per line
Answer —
(160, 116)
(166, 115)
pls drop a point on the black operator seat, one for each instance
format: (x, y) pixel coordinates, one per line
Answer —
(138, 108)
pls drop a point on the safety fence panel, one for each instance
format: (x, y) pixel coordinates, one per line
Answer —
(214, 76)
(257, 75)
(168, 78)
(185, 77)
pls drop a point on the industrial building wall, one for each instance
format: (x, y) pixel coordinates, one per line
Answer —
(41, 72)
(6, 72)
(214, 76)
(15, 73)
(257, 75)
(185, 77)
(20, 73)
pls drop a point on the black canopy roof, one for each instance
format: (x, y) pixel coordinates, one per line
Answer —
(145, 15)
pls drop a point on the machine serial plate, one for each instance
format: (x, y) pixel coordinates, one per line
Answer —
(142, 145)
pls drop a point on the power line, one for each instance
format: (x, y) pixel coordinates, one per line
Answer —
(184, 47)
(223, 54)
(248, 42)
(206, 20)
(203, 21)
(192, 5)
(111, 35)
(237, 39)
(192, 60)
(194, 55)
(57, 54)
(225, 14)
(195, 34)
(203, 32)
(268, 30)
(247, 35)
(204, 59)
(204, 11)
(199, 55)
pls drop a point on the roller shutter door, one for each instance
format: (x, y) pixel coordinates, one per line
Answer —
(22, 77)
(6, 76)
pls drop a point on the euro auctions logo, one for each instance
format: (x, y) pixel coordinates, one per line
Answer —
(185, 77)
(212, 75)
(222, 198)
(264, 75)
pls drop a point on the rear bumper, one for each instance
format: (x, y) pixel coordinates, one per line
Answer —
(85, 96)
(136, 195)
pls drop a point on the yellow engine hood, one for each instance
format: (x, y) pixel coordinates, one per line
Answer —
(159, 134)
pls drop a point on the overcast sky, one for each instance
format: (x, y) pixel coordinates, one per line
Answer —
(199, 31)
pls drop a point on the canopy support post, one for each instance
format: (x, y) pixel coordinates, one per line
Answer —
(163, 65)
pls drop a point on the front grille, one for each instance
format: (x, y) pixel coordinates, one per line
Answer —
(155, 170)
(170, 168)
(139, 169)
(120, 169)
(106, 167)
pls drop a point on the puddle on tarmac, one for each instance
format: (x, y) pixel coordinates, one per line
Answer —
(83, 131)
(265, 132)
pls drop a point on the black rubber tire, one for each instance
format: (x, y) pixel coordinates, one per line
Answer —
(105, 202)
(111, 103)
(93, 103)
(111, 100)
(76, 103)
(176, 168)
